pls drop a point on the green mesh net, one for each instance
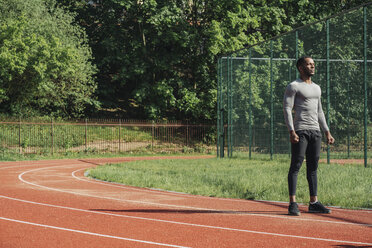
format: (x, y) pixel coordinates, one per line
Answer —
(252, 81)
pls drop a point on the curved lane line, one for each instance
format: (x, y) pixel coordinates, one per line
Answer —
(90, 233)
(190, 224)
(171, 205)
(160, 191)
(18, 166)
(20, 177)
(109, 184)
(213, 227)
(177, 193)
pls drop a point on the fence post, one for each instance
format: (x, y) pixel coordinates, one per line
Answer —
(19, 135)
(119, 135)
(231, 108)
(52, 134)
(229, 71)
(86, 134)
(296, 33)
(187, 133)
(365, 85)
(221, 135)
(328, 86)
(218, 106)
(220, 117)
(250, 103)
(152, 135)
(348, 119)
(290, 80)
(271, 102)
(297, 75)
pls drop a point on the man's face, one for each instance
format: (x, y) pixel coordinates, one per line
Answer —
(308, 68)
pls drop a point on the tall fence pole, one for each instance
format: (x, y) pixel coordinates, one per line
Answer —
(348, 119)
(271, 102)
(296, 37)
(365, 85)
(227, 131)
(328, 85)
(218, 106)
(222, 128)
(229, 106)
(297, 75)
(289, 80)
(250, 103)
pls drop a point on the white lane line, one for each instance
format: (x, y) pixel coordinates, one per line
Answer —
(177, 206)
(157, 191)
(214, 210)
(81, 162)
(189, 224)
(213, 227)
(54, 163)
(165, 192)
(90, 233)
(21, 166)
(20, 177)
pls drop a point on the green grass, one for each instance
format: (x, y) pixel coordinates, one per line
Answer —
(15, 156)
(347, 186)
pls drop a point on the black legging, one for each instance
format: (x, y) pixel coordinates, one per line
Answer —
(309, 145)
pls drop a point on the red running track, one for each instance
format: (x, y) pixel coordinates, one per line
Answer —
(52, 204)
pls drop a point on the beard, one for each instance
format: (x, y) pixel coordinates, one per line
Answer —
(310, 73)
(307, 72)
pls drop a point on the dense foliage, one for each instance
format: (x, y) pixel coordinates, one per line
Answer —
(155, 59)
(45, 61)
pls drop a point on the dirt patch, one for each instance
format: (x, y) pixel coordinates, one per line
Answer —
(110, 146)
(343, 161)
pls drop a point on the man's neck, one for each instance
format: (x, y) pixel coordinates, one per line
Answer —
(306, 79)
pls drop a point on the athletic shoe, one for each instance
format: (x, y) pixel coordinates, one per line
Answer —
(293, 209)
(318, 208)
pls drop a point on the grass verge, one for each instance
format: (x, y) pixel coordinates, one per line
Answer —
(347, 186)
(14, 156)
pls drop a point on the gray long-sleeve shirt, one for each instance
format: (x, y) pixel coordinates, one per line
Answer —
(305, 100)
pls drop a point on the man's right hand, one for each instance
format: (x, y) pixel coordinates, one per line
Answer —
(330, 139)
(293, 137)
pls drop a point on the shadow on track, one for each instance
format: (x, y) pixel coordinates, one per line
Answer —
(187, 211)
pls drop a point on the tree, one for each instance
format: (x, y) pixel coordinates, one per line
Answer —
(45, 62)
(157, 59)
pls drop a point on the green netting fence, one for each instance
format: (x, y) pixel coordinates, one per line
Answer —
(252, 81)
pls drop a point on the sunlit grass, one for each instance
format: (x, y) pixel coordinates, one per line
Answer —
(347, 186)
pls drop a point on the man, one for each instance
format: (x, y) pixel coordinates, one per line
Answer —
(303, 96)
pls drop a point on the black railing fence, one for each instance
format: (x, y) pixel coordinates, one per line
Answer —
(97, 135)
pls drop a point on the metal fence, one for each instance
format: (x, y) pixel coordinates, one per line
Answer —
(252, 81)
(27, 136)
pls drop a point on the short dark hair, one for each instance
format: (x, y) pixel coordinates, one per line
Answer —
(302, 61)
